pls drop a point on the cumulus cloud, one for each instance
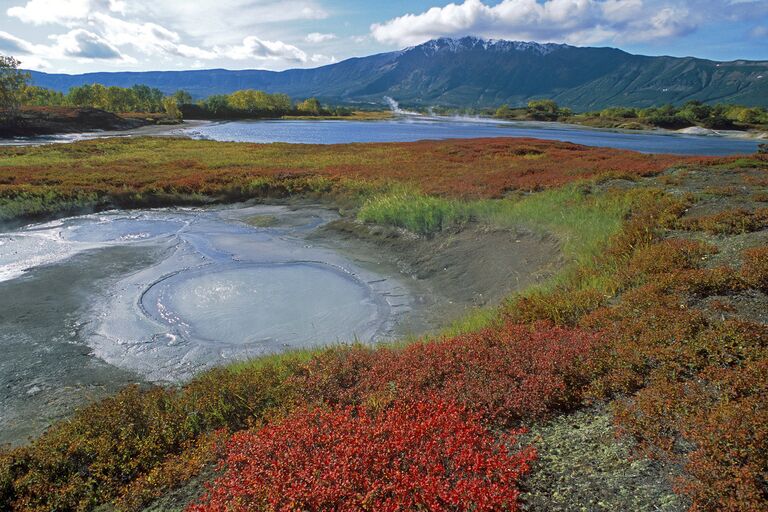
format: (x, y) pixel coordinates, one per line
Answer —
(255, 48)
(320, 59)
(77, 43)
(573, 21)
(167, 31)
(666, 23)
(40, 12)
(34, 62)
(10, 44)
(216, 21)
(317, 37)
(80, 43)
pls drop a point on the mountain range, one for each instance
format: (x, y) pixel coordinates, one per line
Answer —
(474, 72)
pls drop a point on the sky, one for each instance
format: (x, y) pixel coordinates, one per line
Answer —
(76, 36)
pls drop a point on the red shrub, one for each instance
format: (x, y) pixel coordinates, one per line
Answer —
(669, 255)
(729, 222)
(505, 374)
(413, 456)
(754, 270)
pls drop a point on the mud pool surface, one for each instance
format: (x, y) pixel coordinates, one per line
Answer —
(92, 303)
(89, 304)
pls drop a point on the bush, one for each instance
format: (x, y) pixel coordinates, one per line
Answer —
(429, 455)
(668, 256)
(506, 374)
(754, 269)
(123, 442)
(729, 222)
(717, 426)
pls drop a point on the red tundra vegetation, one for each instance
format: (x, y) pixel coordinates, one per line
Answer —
(506, 374)
(428, 455)
(151, 171)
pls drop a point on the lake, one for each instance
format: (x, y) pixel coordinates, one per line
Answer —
(408, 129)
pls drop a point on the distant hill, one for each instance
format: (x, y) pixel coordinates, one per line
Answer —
(473, 72)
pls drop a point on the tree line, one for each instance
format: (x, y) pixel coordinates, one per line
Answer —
(140, 98)
(692, 113)
(250, 103)
(16, 91)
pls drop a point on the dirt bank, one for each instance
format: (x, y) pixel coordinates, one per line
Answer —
(34, 121)
(453, 271)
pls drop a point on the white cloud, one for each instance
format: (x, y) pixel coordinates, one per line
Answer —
(12, 45)
(166, 31)
(665, 24)
(317, 37)
(40, 12)
(617, 11)
(573, 21)
(80, 43)
(320, 59)
(149, 38)
(254, 48)
(215, 22)
(34, 62)
(77, 44)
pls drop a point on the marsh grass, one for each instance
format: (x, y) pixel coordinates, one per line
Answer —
(582, 220)
(409, 209)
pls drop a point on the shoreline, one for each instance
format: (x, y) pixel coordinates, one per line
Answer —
(183, 129)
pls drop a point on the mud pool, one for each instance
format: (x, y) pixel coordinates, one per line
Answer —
(92, 303)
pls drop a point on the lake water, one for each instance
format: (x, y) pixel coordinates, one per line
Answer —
(91, 303)
(409, 129)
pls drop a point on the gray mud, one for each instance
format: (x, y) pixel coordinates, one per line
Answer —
(452, 272)
(95, 302)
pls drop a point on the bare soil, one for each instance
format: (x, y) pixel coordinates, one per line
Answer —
(451, 272)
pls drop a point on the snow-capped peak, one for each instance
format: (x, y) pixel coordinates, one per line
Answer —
(457, 44)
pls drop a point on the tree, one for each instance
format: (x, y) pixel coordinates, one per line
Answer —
(88, 95)
(171, 107)
(147, 99)
(218, 104)
(40, 97)
(118, 99)
(13, 83)
(80, 96)
(182, 97)
(543, 110)
(695, 111)
(503, 112)
(260, 103)
(310, 106)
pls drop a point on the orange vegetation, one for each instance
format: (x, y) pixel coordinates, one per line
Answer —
(123, 168)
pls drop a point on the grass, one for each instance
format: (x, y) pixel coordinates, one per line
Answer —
(583, 221)
(583, 218)
(419, 213)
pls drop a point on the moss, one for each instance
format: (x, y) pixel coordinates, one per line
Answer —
(583, 466)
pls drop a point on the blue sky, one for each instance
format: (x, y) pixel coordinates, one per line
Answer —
(131, 35)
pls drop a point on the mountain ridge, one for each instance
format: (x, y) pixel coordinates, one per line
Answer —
(476, 72)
